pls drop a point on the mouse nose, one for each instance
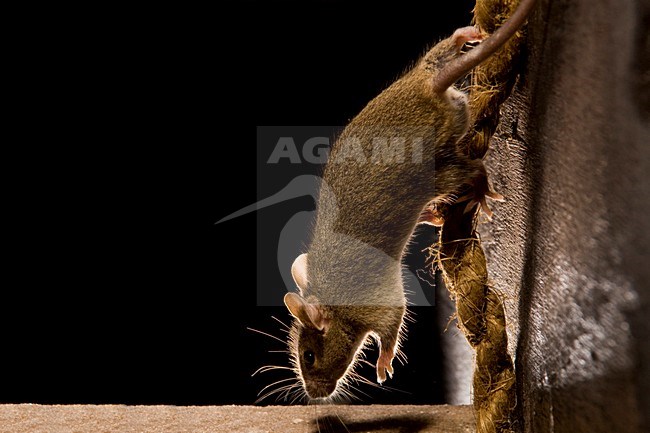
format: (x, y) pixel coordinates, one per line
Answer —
(320, 389)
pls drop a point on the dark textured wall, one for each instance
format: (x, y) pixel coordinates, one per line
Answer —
(570, 246)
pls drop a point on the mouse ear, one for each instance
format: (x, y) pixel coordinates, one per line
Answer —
(299, 271)
(308, 314)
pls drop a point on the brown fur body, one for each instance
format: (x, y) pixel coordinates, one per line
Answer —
(369, 204)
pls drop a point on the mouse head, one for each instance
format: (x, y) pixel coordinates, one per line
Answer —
(322, 343)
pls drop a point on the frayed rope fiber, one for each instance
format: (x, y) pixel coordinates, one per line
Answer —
(459, 254)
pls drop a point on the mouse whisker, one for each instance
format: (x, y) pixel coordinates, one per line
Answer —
(338, 397)
(266, 368)
(360, 379)
(293, 389)
(348, 384)
(286, 327)
(266, 334)
(351, 396)
(275, 391)
(355, 389)
(275, 383)
(341, 421)
(300, 395)
(390, 388)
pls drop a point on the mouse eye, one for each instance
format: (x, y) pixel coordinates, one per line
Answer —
(309, 358)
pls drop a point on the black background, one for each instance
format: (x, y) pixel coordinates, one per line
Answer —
(120, 288)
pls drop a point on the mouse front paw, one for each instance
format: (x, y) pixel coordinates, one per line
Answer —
(385, 365)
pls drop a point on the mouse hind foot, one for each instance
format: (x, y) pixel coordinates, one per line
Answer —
(479, 194)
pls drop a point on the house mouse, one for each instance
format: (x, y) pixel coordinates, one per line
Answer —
(395, 157)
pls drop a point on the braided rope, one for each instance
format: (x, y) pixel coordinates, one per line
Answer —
(460, 256)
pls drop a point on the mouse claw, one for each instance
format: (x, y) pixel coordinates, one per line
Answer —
(481, 192)
(483, 204)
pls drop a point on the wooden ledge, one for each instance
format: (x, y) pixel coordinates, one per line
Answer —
(32, 418)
